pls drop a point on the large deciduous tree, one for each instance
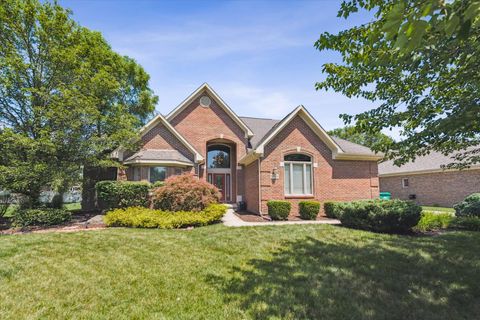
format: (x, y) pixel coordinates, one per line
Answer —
(369, 140)
(420, 60)
(67, 100)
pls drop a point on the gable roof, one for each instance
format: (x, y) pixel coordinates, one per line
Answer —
(429, 163)
(205, 88)
(161, 119)
(260, 127)
(269, 128)
(158, 156)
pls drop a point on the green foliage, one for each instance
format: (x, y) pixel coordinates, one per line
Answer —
(5, 202)
(57, 201)
(469, 207)
(419, 60)
(469, 223)
(309, 209)
(365, 139)
(381, 215)
(138, 217)
(66, 99)
(122, 194)
(185, 193)
(430, 221)
(40, 217)
(278, 209)
(158, 184)
(333, 209)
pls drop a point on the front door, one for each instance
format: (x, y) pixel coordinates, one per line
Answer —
(219, 182)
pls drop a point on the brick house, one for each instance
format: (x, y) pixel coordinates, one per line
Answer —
(425, 182)
(251, 159)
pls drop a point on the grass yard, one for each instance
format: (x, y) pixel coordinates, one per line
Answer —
(288, 272)
(438, 209)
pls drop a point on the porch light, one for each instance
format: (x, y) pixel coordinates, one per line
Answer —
(275, 175)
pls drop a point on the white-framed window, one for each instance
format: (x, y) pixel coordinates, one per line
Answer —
(298, 175)
(405, 183)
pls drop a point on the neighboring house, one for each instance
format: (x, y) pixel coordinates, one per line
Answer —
(251, 159)
(424, 181)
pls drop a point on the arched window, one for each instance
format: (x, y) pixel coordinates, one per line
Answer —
(218, 156)
(298, 174)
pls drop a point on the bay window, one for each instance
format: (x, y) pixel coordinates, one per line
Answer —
(298, 174)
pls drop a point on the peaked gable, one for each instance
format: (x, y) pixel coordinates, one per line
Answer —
(206, 89)
(338, 152)
(159, 119)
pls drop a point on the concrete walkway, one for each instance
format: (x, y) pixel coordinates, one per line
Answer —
(230, 219)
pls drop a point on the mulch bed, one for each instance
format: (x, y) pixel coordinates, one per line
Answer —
(79, 222)
(252, 217)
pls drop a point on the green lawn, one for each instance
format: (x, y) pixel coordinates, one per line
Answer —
(287, 272)
(438, 209)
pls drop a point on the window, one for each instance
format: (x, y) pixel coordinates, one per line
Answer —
(405, 183)
(218, 157)
(298, 174)
(136, 174)
(157, 174)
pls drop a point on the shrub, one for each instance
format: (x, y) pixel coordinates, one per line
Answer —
(40, 217)
(122, 194)
(381, 215)
(333, 209)
(469, 207)
(466, 223)
(309, 209)
(57, 201)
(278, 209)
(185, 193)
(158, 184)
(431, 221)
(138, 217)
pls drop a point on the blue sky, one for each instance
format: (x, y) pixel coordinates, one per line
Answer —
(258, 56)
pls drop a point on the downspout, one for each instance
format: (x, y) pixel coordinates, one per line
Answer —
(259, 189)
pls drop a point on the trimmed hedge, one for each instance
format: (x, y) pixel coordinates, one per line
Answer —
(40, 217)
(469, 207)
(466, 223)
(185, 193)
(431, 221)
(309, 209)
(381, 215)
(138, 217)
(122, 194)
(333, 209)
(278, 209)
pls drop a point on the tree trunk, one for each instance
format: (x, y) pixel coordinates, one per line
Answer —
(92, 175)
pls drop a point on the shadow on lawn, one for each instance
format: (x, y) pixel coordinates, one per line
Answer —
(401, 278)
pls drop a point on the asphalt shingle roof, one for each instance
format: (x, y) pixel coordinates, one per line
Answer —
(432, 161)
(261, 127)
(159, 155)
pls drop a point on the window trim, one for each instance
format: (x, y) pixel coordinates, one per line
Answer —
(405, 185)
(304, 164)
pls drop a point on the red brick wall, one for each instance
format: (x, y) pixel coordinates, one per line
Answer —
(442, 188)
(332, 179)
(159, 137)
(251, 182)
(198, 125)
